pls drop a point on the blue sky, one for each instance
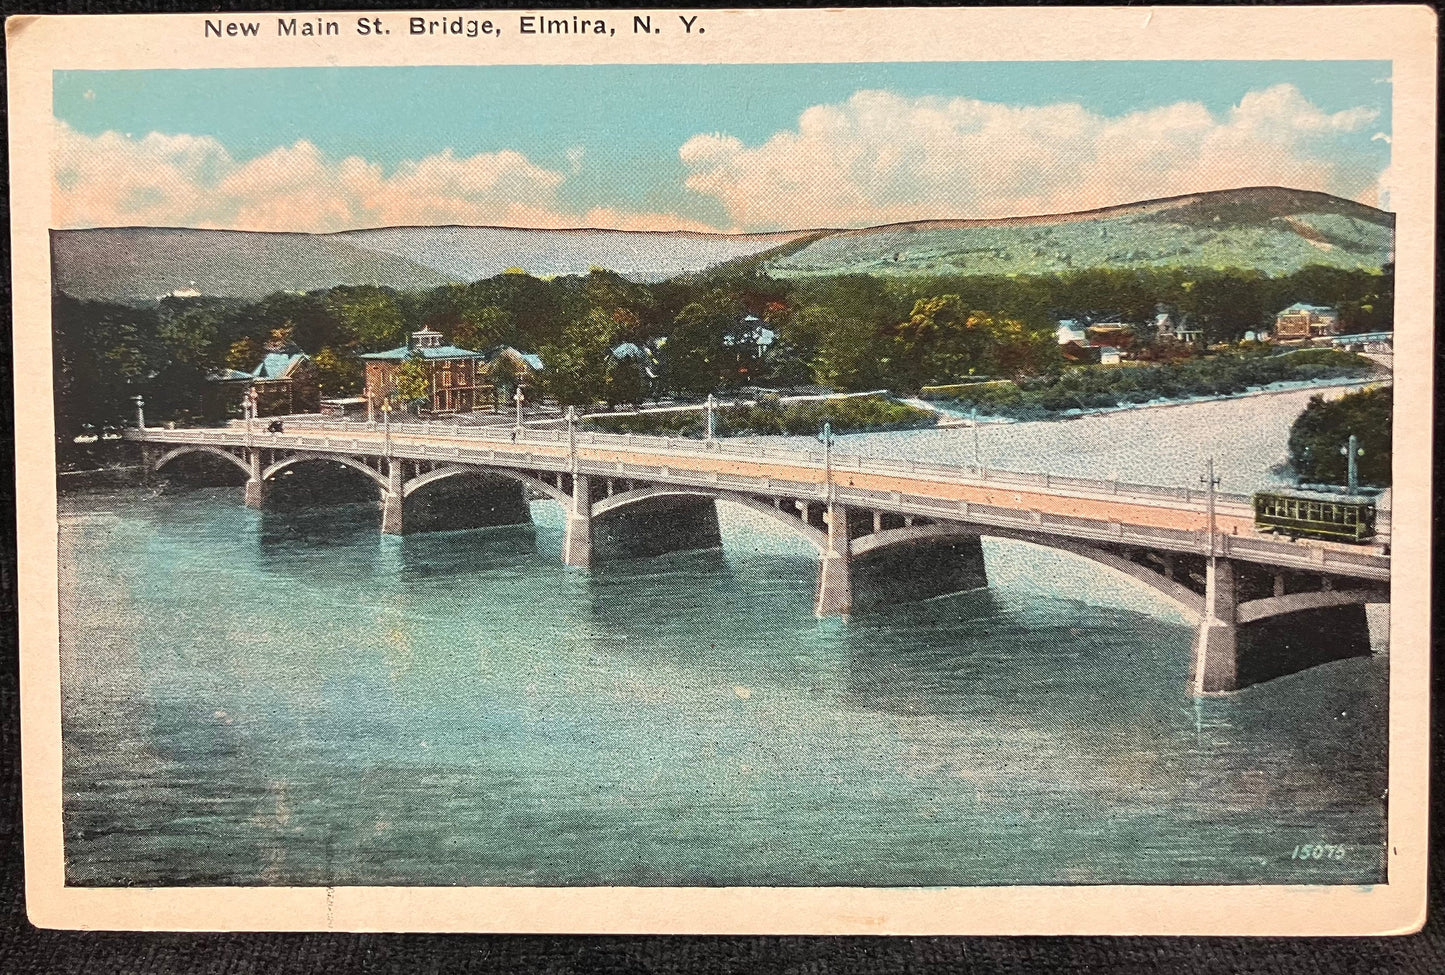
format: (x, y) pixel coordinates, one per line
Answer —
(615, 134)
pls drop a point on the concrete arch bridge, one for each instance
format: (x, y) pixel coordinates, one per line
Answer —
(884, 530)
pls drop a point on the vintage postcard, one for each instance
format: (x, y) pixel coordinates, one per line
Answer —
(893, 471)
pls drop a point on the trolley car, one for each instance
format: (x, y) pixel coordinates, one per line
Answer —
(1299, 514)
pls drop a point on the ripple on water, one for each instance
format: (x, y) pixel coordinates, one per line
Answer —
(294, 699)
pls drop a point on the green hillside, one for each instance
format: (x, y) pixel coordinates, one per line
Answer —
(137, 265)
(1268, 229)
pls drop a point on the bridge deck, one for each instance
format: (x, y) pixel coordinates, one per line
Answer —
(1014, 503)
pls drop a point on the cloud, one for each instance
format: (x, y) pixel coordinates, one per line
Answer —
(115, 179)
(880, 157)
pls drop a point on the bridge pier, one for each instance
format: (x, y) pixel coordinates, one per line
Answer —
(1216, 641)
(255, 485)
(1274, 632)
(393, 500)
(835, 569)
(577, 542)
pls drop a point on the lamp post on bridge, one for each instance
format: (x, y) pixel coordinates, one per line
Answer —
(827, 437)
(1353, 452)
(386, 427)
(518, 398)
(1210, 482)
(711, 416)
(248, 407)
(572, 438)
(140, 411)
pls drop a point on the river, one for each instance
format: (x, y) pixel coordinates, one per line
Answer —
(292, 698)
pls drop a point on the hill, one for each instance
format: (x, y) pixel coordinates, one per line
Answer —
(137, 265)
(1269, 229)
(471, 253)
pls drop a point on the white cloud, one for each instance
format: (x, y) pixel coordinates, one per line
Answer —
(113, 179)
(880, 158)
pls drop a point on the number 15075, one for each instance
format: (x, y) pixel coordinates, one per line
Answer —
(1318, 851)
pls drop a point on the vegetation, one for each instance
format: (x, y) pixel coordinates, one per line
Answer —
(850, 333)
(1104, 388)
(769, 415)
(1318, 439)
(412, 380)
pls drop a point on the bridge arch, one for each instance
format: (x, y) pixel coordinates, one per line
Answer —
(453, 470)
(1260, 609)
(814, 537)
(1186, 600)
(172, 454)
(303, 458)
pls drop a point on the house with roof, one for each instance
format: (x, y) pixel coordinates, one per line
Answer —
(1301, 322)
(642, 359)
(1112, 334)
(1168, 325)
(510, 369)
(457, 378)
(752, 338)
(750, 342)
(283, 383)
(1072, 330)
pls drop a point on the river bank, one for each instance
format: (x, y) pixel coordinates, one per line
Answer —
(1247, 437)
(956, 416)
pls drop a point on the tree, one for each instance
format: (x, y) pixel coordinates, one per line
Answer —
(849, 350)
(367, 315)
(942, 341)
(577, 366)
(244, 354)
(337, 374)
(625, 381)
(484, 327)
(695, 359)
(103, 355)
(412, 381)
(1321, 432)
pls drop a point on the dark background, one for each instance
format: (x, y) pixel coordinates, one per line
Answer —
(25, 950)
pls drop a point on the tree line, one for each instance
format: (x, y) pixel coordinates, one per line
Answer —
(848, 333)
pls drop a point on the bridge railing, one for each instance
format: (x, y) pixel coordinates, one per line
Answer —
(342, 433)
(496, 446)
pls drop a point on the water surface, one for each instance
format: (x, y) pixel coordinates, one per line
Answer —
(292, 698)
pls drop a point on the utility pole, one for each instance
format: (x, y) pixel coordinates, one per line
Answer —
(1210, 482)
(1352, 453)
(827, 437)
(973, 420)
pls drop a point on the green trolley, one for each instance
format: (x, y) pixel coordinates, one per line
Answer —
(1299, 514)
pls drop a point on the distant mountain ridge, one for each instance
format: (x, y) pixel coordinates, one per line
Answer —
(1271, 229)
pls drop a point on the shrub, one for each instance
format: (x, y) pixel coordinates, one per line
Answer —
(770, 416)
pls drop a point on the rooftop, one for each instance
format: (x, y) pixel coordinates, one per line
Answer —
(426, 352)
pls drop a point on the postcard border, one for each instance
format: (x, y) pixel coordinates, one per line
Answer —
(1404, 35)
